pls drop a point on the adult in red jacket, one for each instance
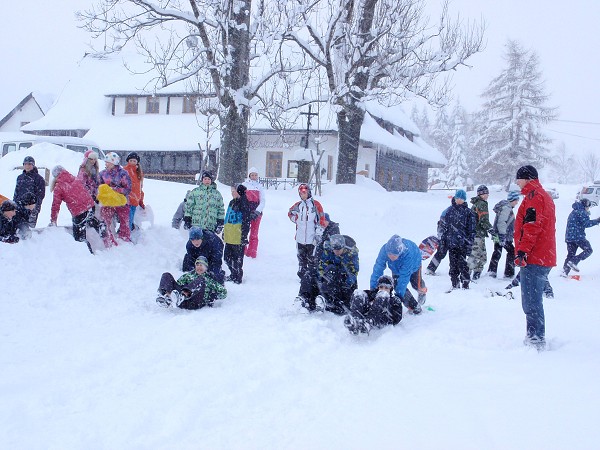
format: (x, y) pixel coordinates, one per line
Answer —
(66, 188)
(535, 248)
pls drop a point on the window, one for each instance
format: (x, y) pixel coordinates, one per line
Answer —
(274, 164)
(152, 105)
(131, 105)
(25, 145)
(77, 148)
(292, 170)
(189, 104)
(6, 148)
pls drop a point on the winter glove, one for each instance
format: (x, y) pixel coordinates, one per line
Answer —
(187, 222)
(219, 229)
(502, 239)
(495, 239)
(521, 259)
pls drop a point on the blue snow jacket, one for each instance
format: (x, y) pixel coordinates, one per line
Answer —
(408, 262)
(578, 221)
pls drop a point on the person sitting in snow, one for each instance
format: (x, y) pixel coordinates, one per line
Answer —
(403, 257)
(9, 224)
(235, 232)
(66, 188)
(208, 244)
(193, 290)
(578, 221)
(374, 307)
(338, 269)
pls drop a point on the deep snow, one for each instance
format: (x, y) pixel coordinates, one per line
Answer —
(89, 361)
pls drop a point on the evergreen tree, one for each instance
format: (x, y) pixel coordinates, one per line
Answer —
(441, 135)
(457, 170)
(513, 115)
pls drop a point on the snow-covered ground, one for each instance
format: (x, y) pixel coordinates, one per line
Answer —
(89, 361)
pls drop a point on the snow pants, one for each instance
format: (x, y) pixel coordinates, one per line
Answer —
(379, 309)
(233, 256)
(122, 212)
(509, 267)
(337, 292)
(459, 270)
(192, 293)
(307, 271)
(252, 247)
(85, 219)
(478, 256)
(586, 251)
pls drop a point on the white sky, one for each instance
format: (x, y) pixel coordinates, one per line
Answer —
(42, 44)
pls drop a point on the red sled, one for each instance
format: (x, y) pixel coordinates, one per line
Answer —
(429, 246)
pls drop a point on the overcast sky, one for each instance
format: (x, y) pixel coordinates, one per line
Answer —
(41, 45)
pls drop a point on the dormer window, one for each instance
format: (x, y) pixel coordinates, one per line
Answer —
(189, 104)
(152, 105)
(131, 105)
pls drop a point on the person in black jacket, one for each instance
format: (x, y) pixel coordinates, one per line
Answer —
(205, 243)
(458, 237)
(9, 222)
(30, 181)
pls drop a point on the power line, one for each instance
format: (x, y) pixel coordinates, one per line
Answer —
(575, 135)
(576, 121)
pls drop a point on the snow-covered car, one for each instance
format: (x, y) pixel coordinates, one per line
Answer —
(591, 192)
(553, 193)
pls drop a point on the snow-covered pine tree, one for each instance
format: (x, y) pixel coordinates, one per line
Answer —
(441, 134)
(457, 170)
(513, 115)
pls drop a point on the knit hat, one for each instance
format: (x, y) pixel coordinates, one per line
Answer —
(482, 189)
(196, 233)
(585, 202)
(8, 205)
(90, 154)
(512, 196)
(28, 198)
(207, 174)
(385, 281)
(460, 193)
(57, 170)
(29, 159)
(241, 190)
(202, 260)
(395, 246)
(113, 158)
(527, 173)
(337, 242)
(133, 155)
(252, 170)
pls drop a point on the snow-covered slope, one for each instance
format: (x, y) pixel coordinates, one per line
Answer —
(90, 361)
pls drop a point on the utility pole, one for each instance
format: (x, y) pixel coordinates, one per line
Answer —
(304, 166)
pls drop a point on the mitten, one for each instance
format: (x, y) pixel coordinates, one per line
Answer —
(187, 222)
(495, 239)
(521, 259)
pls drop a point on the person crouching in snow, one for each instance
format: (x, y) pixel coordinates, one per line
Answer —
(208, 244)
(66, 188)
(403, 257)
(374, 307)
(338, 269)
(235, 232)
(193, 290)
(119, 181)
(9, 223)
(25, 207)
(256, 196)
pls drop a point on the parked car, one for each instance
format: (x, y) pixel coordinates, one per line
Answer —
(591, 192)
(13, 141)
(553, 193)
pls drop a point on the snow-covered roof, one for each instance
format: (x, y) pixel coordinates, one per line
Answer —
(85, 104)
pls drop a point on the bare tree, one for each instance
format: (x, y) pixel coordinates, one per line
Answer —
(383, 50)
(564, 165)
(590, 166)
(214, 44)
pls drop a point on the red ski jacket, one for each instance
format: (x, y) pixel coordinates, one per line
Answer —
(69, 189)
(535, 226)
